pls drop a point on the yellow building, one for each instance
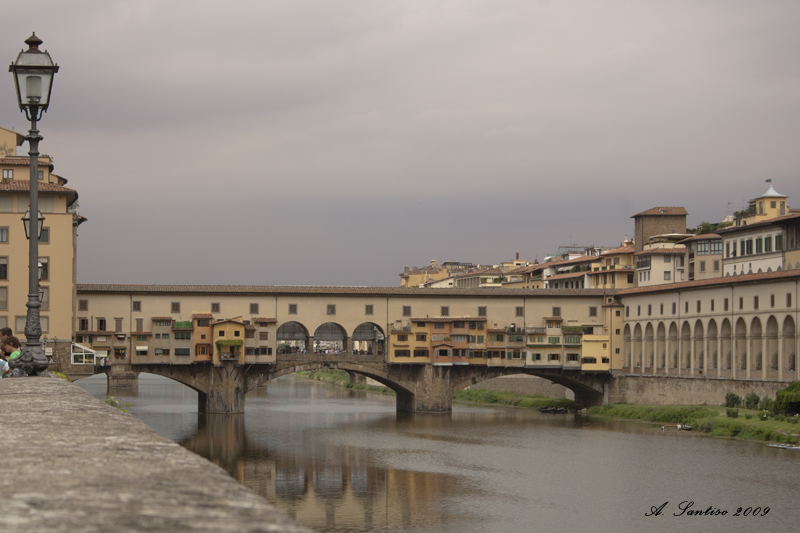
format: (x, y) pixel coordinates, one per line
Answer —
(228, 335)
(769, 205)
(614, 269)
(57, 247)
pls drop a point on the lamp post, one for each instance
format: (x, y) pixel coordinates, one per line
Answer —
(33, 76)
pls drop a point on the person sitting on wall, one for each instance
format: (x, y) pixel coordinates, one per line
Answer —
(4, 334)
(11, 347)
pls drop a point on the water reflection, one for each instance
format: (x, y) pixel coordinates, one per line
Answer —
(340, 460)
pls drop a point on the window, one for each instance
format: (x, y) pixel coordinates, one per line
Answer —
(617, 312)
(667, 275)
(40, 175)
(554, 340)
(101, 324)
(702, 266)
(165, 351)
(292, 309)
(421, 337)
(402, 338)
(755, 302)
(728, 250)
(438, 325)
(759, 246)
(83, 305)
(725, 304)
(420, 353)
(4, 234)
(674, 306)
(741, 303)
(445, 311)
(768, 244)
(572, 357)
(203, 322)
(649, 309)
(158, 351)
(176, 307)
(627, 311)
(459, 338)
(666, 258)
(479, 339)
(553, 357)
(638, 310)
(221, 333)
(369, 310)
(458, 325)
(520, 311)
(593, 311)
(183, 335)
(45, 237)
(772, 300)
(572, 339)
(630, 278)
(137, 306)
(237, 333)
(253, 308)
(712, 305)
(331, 309)
(686, 307)
(139, 324)
(698, 306)
(482, 310)
(8, 174)
(45, 261)
(406, 310)
(536, 357)
(556, 311)
(778, 242)
(214, 308)
(402, 353)
(716, 265)
(141, 338)
(788, 299)
(749, 246)
(4, 298)
(661, 310)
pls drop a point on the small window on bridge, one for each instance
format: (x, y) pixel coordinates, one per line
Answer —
(482, 310)
(445, 310)
(176, 307)
(214, 307)
(368, 309)
(331, 309)
(254, 309)
(406, 310)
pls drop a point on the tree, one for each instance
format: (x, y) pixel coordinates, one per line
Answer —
(788, 399)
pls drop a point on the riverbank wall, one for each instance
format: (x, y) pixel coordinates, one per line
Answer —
(662, 390)
(73, 463)
(524, 384)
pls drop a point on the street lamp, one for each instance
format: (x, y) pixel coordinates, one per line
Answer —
(33, 76)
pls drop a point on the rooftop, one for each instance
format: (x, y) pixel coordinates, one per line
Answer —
(664, 211)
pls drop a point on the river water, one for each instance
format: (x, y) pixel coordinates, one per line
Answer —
(339, 460)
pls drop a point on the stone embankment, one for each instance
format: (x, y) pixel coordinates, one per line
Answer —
(73, 463)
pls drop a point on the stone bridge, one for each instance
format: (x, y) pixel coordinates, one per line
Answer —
(420, 388)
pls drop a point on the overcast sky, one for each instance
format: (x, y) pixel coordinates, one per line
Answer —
(334, 142)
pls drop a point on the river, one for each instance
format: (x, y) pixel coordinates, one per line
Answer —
(338, 460)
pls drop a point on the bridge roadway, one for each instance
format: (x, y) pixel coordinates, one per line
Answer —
(420, 388)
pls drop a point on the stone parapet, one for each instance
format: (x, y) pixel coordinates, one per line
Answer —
(73, 463)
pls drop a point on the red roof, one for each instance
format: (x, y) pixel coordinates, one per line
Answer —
(663, 251)
(664, 211)
(202, 315)
(25, 185)
(620, 250)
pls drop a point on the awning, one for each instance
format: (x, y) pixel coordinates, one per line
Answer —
(101, 353)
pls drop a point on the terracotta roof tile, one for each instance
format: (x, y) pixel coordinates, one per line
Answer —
(568, 275)
(701, 237)
(666, 211)
(620, 250)
(202, 315)
(25, 185)
(294, 290)
(663, 251)
(261, 320)
(702, 283)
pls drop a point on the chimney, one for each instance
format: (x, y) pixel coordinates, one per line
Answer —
(405, 269)
(433, 263)
(517, 255)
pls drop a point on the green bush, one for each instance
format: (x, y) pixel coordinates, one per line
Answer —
(732, 413)
(780, 418)
(788, 399)
(751, 401)
(766, 404)
(748, 417)
(732, 400)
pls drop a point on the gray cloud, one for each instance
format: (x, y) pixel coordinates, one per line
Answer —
(335, 142)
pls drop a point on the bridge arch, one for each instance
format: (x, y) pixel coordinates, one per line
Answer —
(330, 336)
(294, 338)
(372, 371)
(369, 339)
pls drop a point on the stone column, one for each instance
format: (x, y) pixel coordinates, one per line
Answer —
(655, 351)
(706, 345)
(432, 391)
(748, 358)
(122, 376)
(667, 354)
(719, 354)
(346, 348)
(764, 344)
(780, 356)
(310, 344)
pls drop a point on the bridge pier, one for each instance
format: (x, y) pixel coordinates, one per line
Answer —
(226, 389)
(121, 377)
(433, 392)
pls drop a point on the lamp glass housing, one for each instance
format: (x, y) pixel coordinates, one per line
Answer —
(33, 76)
(26, 220)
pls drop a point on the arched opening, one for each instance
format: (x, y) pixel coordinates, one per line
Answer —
(649, 348)
(661, 342)
(789, 349)
(368, 339)
(741, 345)
(627, 346)
(686, 346)
(713, 345)
(771, 353)
(330, 337)
(673, 343)
(637, 347)
(292, 337)
(726, 348)
(699, 347)
(756, 346)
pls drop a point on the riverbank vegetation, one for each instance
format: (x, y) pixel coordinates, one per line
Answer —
(745, 424)
(342, 379)
(510, 399)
